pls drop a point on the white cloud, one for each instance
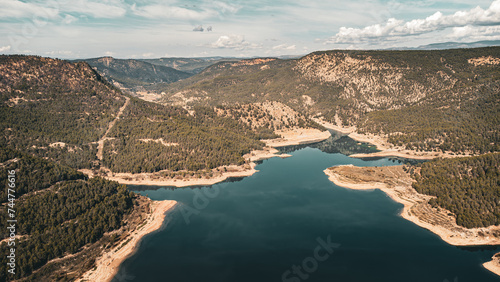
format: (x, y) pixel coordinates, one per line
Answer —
(5, 48)
(475, 33)
(148, 55)
(50, 9)
(160, 11)
(284, 47)
(18, 9)
(205, 10)
(104, 9)
(59, 53)
(236, 42)
(225, 7)
(394, 28)
(68, 19)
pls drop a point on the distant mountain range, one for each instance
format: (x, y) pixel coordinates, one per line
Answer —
(197, 65)
(451, 45)
(130, 73)
(189, 65)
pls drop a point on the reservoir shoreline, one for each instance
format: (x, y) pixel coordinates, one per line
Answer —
(464, 237)
(385, 148)
(396, 183)
(108, 264)
(289, 137)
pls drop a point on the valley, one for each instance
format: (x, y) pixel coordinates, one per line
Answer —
(105, 122)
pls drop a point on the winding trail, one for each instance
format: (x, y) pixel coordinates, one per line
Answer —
(100, 143)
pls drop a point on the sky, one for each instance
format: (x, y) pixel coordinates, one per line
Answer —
(204, 28)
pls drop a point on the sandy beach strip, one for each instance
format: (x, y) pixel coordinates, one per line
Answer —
(290, 137)
(402, 154)
(493, 265)
(108, 264)
(151, 180)
(385, 148)
(298, 136)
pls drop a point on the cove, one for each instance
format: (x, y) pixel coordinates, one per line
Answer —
(259, 227)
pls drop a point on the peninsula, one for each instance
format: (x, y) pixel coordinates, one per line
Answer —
(418, 208)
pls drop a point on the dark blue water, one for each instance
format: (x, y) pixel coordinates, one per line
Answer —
(288, 222)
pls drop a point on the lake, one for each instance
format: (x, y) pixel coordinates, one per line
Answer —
(288, 222)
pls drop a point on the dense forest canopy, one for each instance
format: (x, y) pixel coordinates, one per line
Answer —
(468, 187)
(60, 110)
(58, 210)
(54, 109)
(152, 137)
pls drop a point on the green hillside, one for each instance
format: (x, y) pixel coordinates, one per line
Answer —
(58, 212)
(152, 137)
(55, 109)
(468, 187)
(60, 110)
(429, 100)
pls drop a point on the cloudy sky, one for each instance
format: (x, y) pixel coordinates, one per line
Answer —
(195, 28)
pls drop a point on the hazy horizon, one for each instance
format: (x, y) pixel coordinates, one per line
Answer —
(199, 28)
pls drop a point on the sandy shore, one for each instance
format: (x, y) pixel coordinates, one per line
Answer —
(402, 154)
(493, 265)
(298, 136)
(396, 183)
(154, 179)
(386, 149)
(220, 174)
(335, 127)
(109, 263)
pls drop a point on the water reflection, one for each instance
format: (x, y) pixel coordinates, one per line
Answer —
(399, 160)
(150, 187)
(337, 143)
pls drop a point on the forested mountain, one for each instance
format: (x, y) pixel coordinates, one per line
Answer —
(151, 137)
(189, 65)
(55, 109)
(468, 187)
(61, 111)
(58, 113)
(429, 100)
(58, 212)
(132, 73)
